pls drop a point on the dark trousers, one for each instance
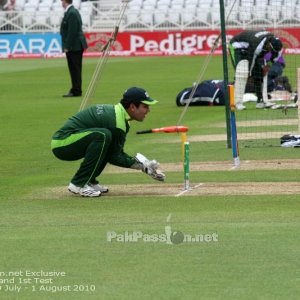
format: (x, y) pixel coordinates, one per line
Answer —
(74, 59)
(93, 147)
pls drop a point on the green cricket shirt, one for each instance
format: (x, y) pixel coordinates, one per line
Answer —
(111, 117)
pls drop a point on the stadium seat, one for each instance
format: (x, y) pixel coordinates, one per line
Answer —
(34, 3)
(86, 11)
(44, 5)
(250, 3)
(149, 4)
(263, 4)
(178, 2)
(86, 6)
(29, 14)
(133, 10)
(297, 12)
(132, 17)
(188, 16)
(146, 17)
(204, 3)
(176, 6)
(274, 11)
(288, 13)
(56, 14)
(215, 4)
(76, 3)
(245, 15)
(174, 17)
(135, 3)
(259, 12)
(162, 5)
(47, 2)
(245, 4)
(245, 11)
(56, 6)
(191, 6)
(215, 16)
(192, 2)
(160, 17)
(2, 17)
(19, 6)
(277, 3)
(42, 14)
(202, 15)
(232, 17)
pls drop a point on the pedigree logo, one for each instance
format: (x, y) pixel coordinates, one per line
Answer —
(174, 42)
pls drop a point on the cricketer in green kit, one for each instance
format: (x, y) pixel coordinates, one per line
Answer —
(98, 134)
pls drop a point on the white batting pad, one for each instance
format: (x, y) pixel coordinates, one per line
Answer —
(241, 76)
(265, 88)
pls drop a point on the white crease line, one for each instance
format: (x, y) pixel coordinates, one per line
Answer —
(181, 193)
(188, 190)
(196, 186)
(235, 167)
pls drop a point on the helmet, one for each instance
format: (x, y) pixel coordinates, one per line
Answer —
(276, 44)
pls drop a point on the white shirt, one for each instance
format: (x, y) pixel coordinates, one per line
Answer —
(68, 7)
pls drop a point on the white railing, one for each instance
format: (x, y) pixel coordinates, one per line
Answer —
(103, 15)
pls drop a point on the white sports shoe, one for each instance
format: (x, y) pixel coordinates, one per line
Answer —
(260, 105)
(264, 104)
(240, 106)
(86, 191)
(98, 187)
(269, 104)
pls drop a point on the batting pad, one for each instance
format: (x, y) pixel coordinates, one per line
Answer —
(241, 76)
(265, 88)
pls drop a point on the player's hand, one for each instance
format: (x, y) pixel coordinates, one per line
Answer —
(158, 175)
(265, 70)
(150, 167)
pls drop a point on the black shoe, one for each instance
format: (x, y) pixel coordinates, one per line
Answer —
(72, 95)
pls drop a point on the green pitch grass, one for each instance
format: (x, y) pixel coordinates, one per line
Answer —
(55, 246)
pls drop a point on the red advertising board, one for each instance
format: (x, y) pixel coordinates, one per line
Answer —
(198, 42)
(154, 43)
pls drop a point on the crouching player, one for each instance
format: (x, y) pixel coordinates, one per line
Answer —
(98, 134)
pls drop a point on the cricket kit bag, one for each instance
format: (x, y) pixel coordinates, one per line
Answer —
(289, 140)
(207, 93)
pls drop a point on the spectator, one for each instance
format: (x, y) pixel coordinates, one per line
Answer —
(73, 44)
(7, 5)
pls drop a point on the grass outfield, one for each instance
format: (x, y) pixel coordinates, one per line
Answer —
(55, 246)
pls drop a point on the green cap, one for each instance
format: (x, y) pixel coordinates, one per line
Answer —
(136, 95)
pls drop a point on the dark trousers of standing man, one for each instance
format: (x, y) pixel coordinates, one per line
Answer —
(74, 59)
